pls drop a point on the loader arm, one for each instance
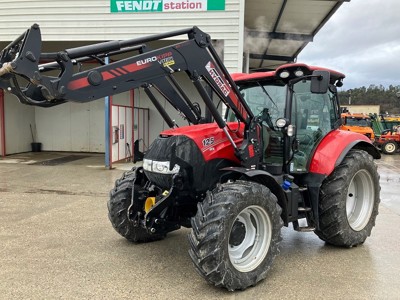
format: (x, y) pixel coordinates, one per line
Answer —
(150, 68)
(163, 86)
(23, 73)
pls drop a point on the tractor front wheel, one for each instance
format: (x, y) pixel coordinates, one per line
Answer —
(118, 205)
(235, 234)
(349, 201)
(389, 147)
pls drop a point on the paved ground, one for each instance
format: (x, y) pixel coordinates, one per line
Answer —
(56, 243)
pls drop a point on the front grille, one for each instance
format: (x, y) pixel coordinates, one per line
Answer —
(163, 181)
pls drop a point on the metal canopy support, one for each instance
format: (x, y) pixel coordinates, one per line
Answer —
(275, 27)
(272, 57)
(107, 123)
(281, 36)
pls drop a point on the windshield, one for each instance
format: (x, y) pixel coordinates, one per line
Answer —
(312, 116)
(260, 96)
(358, 122)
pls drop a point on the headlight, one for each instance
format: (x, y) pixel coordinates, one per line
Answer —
(161, 167)
(284, 74)
(280, 123)
(147, 164)
(299, 72)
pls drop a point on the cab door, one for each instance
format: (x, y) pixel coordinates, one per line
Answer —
(313, 115)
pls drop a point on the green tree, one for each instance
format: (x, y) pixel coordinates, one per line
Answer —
(387, 97)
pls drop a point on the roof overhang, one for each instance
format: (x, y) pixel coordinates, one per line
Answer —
(278, 30)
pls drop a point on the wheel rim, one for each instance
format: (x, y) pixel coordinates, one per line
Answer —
(250, 237)
(390, 147)
(360, 200)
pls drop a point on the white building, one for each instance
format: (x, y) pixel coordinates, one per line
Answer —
(252, 35)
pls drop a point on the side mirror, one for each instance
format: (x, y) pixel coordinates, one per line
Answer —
(320, 82)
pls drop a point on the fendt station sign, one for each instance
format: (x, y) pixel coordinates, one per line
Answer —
(120, 6)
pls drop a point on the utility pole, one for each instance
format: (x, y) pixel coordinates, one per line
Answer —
(349, 97)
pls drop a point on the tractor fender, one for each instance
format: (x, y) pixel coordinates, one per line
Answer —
(333, 148)
(263, 178)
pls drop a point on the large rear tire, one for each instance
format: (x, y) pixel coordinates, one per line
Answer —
(235, 234)
(118, 205)
(349, 201)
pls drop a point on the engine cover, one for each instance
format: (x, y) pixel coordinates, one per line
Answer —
(198, 152)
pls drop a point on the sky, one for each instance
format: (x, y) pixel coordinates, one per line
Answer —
(361, 40)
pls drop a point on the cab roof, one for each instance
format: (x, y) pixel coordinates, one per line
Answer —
(242, 77)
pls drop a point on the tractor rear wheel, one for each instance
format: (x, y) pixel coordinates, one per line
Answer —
(235, 234)
(118, 205)
(389, 147)
(349, 201)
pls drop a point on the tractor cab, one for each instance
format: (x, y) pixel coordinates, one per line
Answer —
(358, 122)
(294, 116)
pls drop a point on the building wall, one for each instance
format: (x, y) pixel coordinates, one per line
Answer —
(157, 123)
(68, 24)
(19, 118)
(80, 126)
(91, 20)
(366, 109)
(71, 127)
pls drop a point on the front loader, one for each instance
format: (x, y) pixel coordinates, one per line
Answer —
(277, 158)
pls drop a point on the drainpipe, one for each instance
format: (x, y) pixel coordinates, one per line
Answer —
(2, 125)
(107, 123)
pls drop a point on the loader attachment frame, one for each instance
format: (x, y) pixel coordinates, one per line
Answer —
(196, 57)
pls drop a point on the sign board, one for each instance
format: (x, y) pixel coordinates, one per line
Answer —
(139, 6)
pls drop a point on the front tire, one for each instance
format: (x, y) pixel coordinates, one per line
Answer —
(235, 234)
(118, 205)
(389, 147)
(349, 201)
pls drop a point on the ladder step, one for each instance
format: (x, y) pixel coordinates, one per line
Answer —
(305, 229)
(303, 209)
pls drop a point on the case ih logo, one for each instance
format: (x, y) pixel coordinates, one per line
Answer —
(218, 79)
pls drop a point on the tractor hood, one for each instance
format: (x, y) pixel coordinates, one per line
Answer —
(210, 139)
(195, 151)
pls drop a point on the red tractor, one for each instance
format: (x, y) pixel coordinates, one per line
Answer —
(389, 140)
(275, 158)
